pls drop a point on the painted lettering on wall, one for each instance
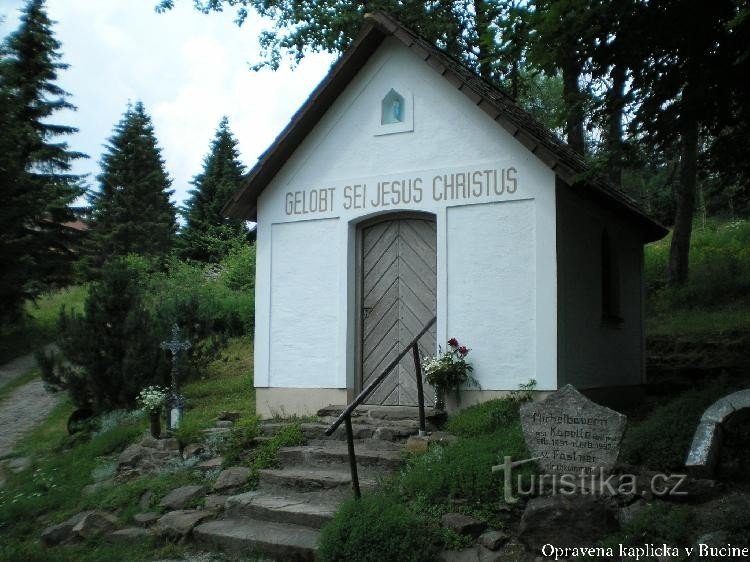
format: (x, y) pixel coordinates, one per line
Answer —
(439, 187)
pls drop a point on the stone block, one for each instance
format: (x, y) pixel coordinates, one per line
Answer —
(179, 524)
(232, 478)
(181, 497)
(94, 524)
(492, 539)
(463, 524)
(565, 521)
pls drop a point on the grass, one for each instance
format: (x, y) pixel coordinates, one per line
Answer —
(647, 443)
(226, 386)
(695, 322)
(715, 299)
(39, 326)
(49, 491)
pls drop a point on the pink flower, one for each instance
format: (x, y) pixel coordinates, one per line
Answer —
(453, 342)
(463, 350)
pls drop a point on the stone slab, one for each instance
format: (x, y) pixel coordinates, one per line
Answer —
(181, 497)
(571, 434)
(307, 509)
(278, 540)
(232, 478)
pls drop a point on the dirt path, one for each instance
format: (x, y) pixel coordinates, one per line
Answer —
(27, 406)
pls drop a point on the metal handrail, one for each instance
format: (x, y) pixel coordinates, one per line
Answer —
(346, 415)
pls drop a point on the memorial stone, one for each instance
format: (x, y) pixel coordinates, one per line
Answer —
(570, 434)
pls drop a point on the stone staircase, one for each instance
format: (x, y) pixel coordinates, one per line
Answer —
(282, 519)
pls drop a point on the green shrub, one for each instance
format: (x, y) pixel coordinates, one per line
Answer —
(660, 523)
(377, 528)
(463, 469)
(662, 440)
(112, 351)
(484, 418)
(267, 455)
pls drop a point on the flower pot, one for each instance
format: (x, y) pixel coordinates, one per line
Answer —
(155, 418)
(439, 397)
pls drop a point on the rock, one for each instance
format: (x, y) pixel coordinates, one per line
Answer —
(170, 444)
(210, 431)
(210, 464)
(146, 519)
(192, 450)
(476, 553)
(128, 535)
(145, 501)
(732, 510)
(96, 486)
(130, 456)
(514, 551)
(223, 423)
(565, 521)
(232, 478)
(18, 464)
(62, 533)
(570, 411)
(493, 539)
(441, 438)
(181, 497)
(229, 416)
(178, 524)
(463, 524)
(716, 539)
(384, 434)
(215, 502)
(416, 444)
(95, 523)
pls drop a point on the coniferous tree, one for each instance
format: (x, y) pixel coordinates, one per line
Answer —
(35, 164)
(207, 235)
(131, 211)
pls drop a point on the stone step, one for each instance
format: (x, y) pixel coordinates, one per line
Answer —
(308, 479)
(373, 412)
(337, 453)
(310, 509)
(280, 541)
(388, 431)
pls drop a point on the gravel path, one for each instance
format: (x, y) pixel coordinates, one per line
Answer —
(20, 366)
(27, 406)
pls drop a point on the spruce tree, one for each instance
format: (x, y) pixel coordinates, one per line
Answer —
(207, 235)
(131, 211)
(36, 183)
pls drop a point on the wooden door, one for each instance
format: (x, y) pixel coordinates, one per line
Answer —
(398, 288)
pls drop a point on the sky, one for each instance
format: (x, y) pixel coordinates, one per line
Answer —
(189, 69)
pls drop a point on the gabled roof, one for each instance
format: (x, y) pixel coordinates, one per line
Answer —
(567, 164)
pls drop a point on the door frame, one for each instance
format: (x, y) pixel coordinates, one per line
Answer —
(356, 315)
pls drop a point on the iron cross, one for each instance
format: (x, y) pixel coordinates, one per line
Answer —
(175, 347)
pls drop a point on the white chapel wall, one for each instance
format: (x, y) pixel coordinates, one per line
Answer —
(496, 249)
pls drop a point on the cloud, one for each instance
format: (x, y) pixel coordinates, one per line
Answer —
(188, 68)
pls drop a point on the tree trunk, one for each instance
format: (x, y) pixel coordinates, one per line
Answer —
(571, 72)
(679, 251)
(615, 106)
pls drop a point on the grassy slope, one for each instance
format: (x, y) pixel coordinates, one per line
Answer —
(716, 298)
(50, 490)
(38, 328)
